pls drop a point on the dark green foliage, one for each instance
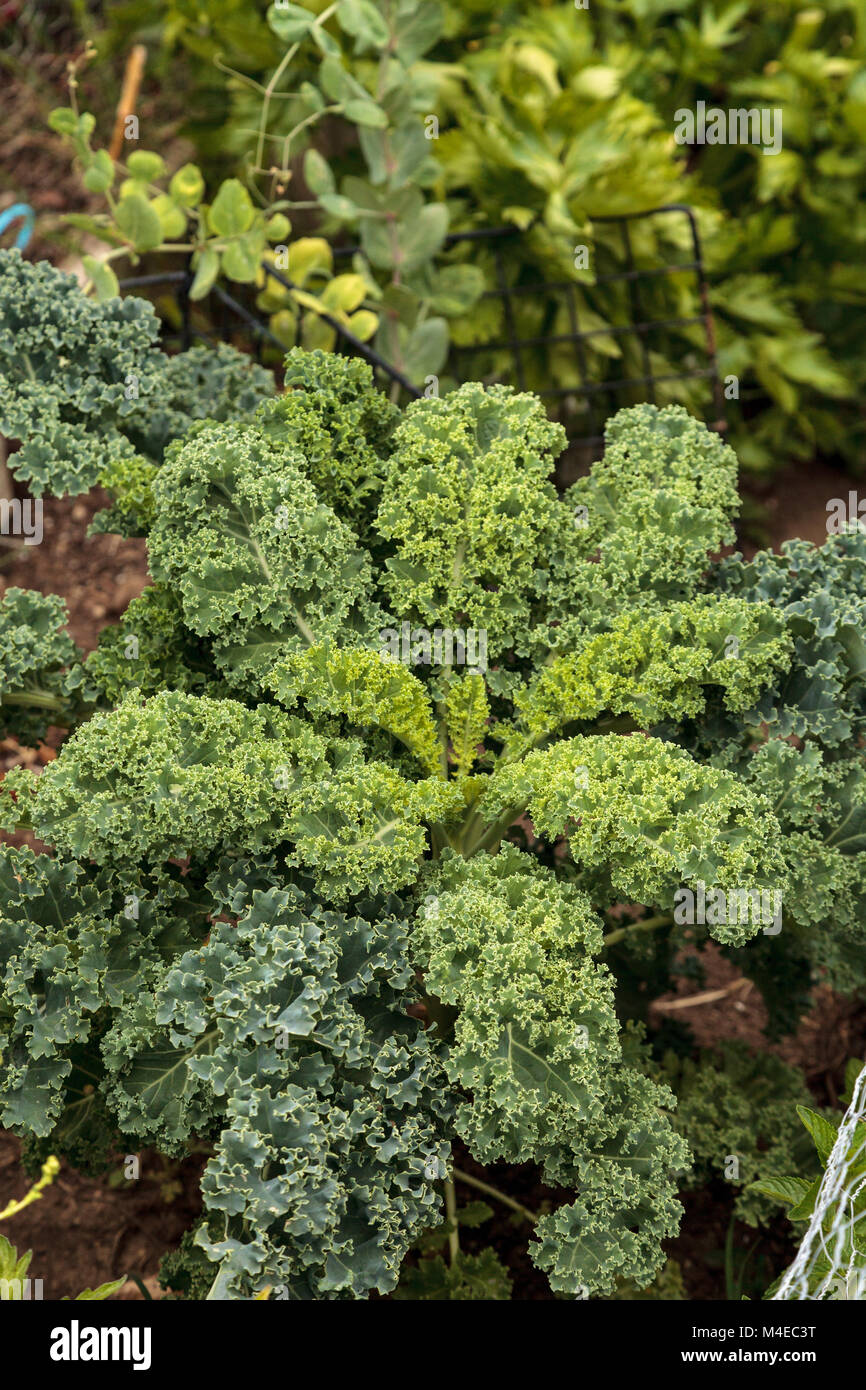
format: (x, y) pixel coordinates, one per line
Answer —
(291, 1024)
(736, 1111)
(187, 1271)
(149, 651)
(34, 649)
(470, 1278)
(822, 594)
(260, 564)
(70, 372)
(84, 387)
(202, 383)
(74, 944)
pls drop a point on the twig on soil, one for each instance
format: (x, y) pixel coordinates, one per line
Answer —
(709, 996)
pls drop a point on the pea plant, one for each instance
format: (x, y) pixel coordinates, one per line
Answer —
(350, 65)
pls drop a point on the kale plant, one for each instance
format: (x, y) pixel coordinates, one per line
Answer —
(353, 799)
(83, 385)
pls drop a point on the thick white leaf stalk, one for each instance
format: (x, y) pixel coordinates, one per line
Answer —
(828, 1264)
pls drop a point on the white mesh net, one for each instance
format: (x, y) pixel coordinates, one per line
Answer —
(831, 1260)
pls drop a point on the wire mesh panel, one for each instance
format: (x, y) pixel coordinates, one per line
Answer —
(638, 327)
(590, 344)
(831, 1260)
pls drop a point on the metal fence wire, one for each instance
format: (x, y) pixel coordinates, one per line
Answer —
(531, 329)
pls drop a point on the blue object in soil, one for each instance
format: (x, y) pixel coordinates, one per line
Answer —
(25, 231)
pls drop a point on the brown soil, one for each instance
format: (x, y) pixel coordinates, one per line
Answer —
(833, 1030)
(97, 575)
(37, 166)
(85, 1232)
(794, 503)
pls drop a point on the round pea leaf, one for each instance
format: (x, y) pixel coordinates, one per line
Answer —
(103, 277)
(99, 174)
(172, 218)
(365, 113)
(138, 222)
(144, 165)
(232, 210)
(187, 186)
(240, 259)
(317, 173)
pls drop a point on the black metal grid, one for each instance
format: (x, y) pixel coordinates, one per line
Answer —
(227, 315)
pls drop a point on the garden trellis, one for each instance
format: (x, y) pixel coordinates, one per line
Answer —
(830, 1260)
(228, 317)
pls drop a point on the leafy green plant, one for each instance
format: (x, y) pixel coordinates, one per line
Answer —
(149, 212)
(465, 1277)
(549, 119)
(735, 1110)
(85, 389)
(342, 842)
(365, 70)
(232, 234)
(788, 275)
(188, 45)
(350, 66)
(228, 236)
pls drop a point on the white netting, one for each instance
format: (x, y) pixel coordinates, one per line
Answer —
(829, 1264)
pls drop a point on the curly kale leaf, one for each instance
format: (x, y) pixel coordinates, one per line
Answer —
(470, 512)
(366, 689)
(214, 384)
(644, 521)
(821, 807)
(648, 815)
(164, 778)
(467, 718)
(150, 650)
(261, 566)
(129, 482)
(185, 775)
(364, 826)
(34, 650)
(334, 1104)
(75, 945)
(84, 386)
(536, 1048)
(735, 1109)
(204, 383)
(820, 592)
(657, 666)
(70, 371)
(333, 415)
